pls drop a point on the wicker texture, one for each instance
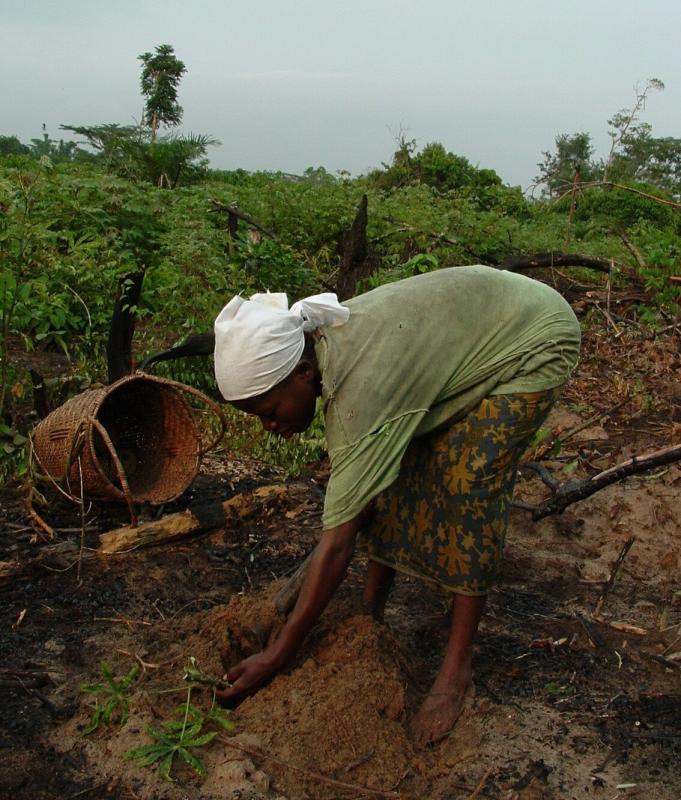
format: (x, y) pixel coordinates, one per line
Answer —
(151, 428)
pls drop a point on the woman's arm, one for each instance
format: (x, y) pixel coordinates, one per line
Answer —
(326, 571)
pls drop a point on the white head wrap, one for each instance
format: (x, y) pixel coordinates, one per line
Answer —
(259, 341)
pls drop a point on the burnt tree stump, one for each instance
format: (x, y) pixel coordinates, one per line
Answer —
(356, 258)
(119, 344)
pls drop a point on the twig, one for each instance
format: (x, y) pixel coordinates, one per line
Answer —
(36, 519)
(673, 644)
(608, 318)
(593, 418)
(626, 547)
(595, 637)
(481, 785)
(82, 520)
(625, 627)
(144, 664)
(122, 620)
(667, 662)
(88, 790)
(359, 761)
(354, 787)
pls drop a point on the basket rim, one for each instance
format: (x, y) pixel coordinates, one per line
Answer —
(105, 394)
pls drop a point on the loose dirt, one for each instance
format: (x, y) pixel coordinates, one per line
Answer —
(567, 705)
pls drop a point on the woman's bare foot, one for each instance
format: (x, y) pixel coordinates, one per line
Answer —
(439, 713)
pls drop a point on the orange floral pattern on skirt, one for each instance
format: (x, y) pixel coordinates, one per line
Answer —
(446, 515)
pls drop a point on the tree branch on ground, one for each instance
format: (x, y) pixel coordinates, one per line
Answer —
(570, 492)
(554, 258)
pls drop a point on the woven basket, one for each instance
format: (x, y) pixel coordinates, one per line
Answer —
(134, 441)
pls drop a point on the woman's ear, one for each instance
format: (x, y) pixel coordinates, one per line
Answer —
(305, 370)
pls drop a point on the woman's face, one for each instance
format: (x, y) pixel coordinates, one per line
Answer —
(288, 407)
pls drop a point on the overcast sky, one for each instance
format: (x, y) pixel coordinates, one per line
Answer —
(287, 84)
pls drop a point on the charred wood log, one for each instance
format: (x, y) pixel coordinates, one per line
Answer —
(195, 519)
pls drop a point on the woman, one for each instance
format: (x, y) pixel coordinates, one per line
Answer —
(432, 388)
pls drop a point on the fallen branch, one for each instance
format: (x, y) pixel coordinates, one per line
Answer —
(631, 247)
(236, 212)
(572, 491)
(193, 520)
(554, 258)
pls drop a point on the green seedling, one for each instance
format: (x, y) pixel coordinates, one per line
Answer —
(194, 674)
(179, 737)
(556, 691)
(111, 700)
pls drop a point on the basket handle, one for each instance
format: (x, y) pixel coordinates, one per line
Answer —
(214, 407)
(101, 430)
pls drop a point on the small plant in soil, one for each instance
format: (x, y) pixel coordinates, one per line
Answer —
(193, 674)
(556, 692)
(111, 698)
(187, 732)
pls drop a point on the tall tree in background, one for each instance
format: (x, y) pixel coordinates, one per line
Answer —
(573, 156)
(161, 75)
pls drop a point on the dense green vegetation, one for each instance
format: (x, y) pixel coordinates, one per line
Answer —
(75, 218)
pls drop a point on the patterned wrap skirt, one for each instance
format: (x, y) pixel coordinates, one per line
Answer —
(445, 516)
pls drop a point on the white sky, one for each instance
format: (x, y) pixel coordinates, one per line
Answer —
(287, 84)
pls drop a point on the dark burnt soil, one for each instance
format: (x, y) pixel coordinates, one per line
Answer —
(567, 706)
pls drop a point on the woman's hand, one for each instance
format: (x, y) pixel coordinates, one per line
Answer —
(248, 675)
(325, 572)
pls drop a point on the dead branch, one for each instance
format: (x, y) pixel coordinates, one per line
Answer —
(554, 258)
(631, 247)
(566, 189)
(235, 212)
(572, 491)
(626, 547)
(193, 520)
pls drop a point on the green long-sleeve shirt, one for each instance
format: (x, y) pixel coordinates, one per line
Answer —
(424, 351)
